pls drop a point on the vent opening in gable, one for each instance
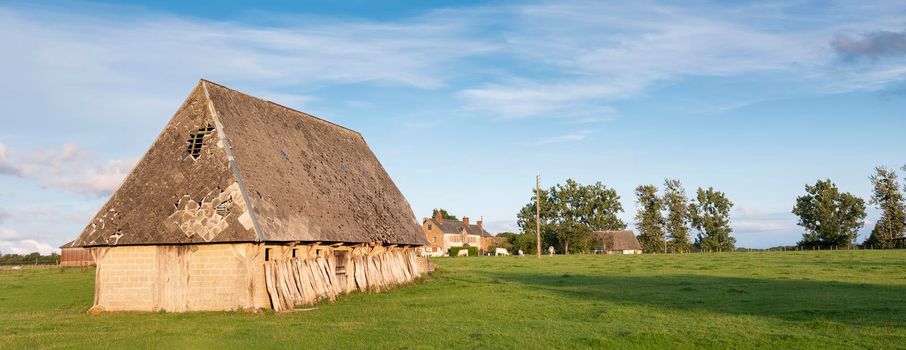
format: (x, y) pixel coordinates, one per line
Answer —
(223, 209)
(196, 140)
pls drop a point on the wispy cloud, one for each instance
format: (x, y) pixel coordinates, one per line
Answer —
(574, 137)
(108, 64)
(590, 53)
(605, 52)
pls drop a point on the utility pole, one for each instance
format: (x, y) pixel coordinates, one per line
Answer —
(538, 215)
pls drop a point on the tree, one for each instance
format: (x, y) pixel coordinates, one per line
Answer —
(570, 212)
(649, 220)
(887, 197)
(676, 224)
(711, 218)
(582, 209)
(443, 214)
(830, 218)
(525, 219)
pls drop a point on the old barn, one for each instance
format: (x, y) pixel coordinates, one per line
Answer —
(619, 242)
(241, 203)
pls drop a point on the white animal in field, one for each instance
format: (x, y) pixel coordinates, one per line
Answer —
(463, 252)
(501, 251)
(521, 253)
(550, 250)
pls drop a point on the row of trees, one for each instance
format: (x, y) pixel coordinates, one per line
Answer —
(570, 212)
(832, 218)
(664, 221)
(28, 259)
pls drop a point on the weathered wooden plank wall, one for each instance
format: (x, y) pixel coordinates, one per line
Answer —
(311, 275)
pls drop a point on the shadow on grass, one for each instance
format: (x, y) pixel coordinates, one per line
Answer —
(785, 299)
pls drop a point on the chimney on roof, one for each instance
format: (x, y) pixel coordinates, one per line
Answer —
(480, 226)
(437, 215)
(465, 220)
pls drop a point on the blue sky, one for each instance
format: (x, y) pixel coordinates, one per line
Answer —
(465, 102)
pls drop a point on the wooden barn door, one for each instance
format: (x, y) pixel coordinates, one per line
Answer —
(171, 280)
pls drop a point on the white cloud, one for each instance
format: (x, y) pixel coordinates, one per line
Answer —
(745, 211)
(575, 137)
(6, 233)
(94, 179)
(6, 167)
(498, 226)
(75, 170)
(26, 246)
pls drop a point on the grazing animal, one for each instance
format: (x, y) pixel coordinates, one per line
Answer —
(521, 253)
(501, 251)
(550, 250)
(463, 252)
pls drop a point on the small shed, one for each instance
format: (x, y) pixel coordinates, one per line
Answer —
(73, 256)
(619, 242)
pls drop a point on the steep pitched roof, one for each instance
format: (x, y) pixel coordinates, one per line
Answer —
(619, 240)
(230, 167)
(456, 226)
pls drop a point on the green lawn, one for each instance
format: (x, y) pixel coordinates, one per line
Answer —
(831, 299)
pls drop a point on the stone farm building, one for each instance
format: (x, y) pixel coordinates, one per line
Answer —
(241, 203)
(445, 233)
(619, 242)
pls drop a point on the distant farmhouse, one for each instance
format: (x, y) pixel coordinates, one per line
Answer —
(241, 203)
(445, 233)
(619, 242)
(73, 256)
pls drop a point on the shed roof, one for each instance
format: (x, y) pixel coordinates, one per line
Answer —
(619, 240)
(230, 167)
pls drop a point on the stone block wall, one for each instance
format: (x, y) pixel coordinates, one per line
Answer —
(207, 277)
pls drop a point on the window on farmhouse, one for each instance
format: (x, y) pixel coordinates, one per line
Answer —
(429, 226)
(196, 139)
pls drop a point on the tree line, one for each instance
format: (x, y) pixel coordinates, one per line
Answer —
(832, 219)
(29, 259)
(571, 212)
(664, 221)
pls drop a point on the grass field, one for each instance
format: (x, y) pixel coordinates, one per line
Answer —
(832, 299)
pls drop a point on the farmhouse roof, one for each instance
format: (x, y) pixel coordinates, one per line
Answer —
(619, 240)
(68, 244)
(455, 226)
(230, 167)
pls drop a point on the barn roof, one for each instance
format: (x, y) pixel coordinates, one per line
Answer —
(230, 167)
(619, 240)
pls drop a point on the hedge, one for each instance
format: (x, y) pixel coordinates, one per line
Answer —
(473, 251)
